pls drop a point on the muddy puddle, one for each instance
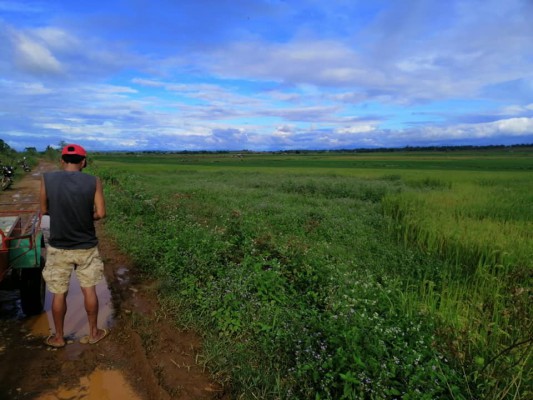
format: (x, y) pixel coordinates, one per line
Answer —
(100, 385)
(76, 324)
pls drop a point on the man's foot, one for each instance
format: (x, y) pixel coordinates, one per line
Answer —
(53, 342)
(102, 333)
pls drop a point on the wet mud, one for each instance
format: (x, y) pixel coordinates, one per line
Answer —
(145, 357)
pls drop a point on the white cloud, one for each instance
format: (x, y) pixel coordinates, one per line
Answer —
(516, 109)
(24, 88)
(316, 62)
(311, 113)
(34, 56)
(148, 82)
(512, 126)
(58, 39)
(355, 129)
(283, 131)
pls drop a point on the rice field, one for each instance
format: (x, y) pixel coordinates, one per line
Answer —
(340, 275)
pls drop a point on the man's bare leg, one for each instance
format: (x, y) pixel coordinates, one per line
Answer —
(91, 307)
(59, 310)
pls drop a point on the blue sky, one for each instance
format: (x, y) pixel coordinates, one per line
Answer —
(265, 74)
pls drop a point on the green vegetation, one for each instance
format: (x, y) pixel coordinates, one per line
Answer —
(10, 157)
(342, 275)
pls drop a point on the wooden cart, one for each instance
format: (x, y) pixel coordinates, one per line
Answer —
(22, 256)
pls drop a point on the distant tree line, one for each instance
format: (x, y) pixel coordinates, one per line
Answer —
(52, 152)
(8, 155)
(354, 150)
(413, 149)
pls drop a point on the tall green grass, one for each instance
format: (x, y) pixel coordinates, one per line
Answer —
(314, 281)
(483, 228)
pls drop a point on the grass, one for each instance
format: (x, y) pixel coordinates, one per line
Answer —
(483, 228)
(340, 276)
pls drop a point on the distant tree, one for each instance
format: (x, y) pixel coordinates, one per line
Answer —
(31, 151)
(6, 152)
(51, 153)
(4, 147)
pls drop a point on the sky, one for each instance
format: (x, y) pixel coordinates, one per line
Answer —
(265, 75)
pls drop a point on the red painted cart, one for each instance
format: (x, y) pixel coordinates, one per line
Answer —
(22, 256)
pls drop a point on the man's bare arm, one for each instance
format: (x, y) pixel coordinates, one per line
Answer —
(99, 201)
(42, 198)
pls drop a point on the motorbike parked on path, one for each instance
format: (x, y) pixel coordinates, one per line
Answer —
(25, 166)
(8, 174)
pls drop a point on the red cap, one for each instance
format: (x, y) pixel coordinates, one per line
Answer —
(74, 149)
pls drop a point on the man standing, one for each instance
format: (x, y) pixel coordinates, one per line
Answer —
(74, 200)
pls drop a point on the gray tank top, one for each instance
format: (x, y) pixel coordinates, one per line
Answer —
(71, 206)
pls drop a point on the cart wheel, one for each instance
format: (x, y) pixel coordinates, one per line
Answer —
(32, 290)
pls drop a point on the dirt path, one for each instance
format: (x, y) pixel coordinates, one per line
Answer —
(145, 357)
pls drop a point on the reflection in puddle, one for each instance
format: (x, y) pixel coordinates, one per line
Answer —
(100, 385)
(9, 304)
(76, 324)
(122, 274)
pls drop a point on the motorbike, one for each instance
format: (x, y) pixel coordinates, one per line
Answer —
(8, 173)
(25, 166)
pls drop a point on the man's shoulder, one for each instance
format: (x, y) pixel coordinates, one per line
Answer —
(66, 175)
(51, 173)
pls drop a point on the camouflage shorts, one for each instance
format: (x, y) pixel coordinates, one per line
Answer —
(60, 263)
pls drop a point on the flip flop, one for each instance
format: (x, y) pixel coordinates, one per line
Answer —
(48, 342)
(86, 339)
